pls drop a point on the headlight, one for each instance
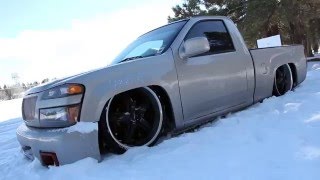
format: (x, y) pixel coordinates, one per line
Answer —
(61, 116)
(67, 114)
(63, 91)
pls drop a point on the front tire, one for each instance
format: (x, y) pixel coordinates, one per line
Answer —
(283, 80)
(134, 118)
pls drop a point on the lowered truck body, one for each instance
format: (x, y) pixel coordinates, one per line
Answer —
(191, 70)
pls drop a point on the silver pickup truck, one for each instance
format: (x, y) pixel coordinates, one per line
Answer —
(167, 81)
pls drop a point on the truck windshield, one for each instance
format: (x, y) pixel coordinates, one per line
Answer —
(152, 43)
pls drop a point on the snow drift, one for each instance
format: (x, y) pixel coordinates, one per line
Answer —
(276, 139)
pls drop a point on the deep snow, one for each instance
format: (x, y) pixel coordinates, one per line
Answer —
(276, 139)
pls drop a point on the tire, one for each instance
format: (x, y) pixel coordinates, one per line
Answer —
(283, 80)
(131, 119)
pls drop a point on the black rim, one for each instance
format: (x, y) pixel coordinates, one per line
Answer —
(283, 80)
(133, 118)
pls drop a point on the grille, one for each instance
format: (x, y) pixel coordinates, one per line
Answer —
(29, 108)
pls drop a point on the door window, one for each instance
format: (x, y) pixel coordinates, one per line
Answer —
(217, 34)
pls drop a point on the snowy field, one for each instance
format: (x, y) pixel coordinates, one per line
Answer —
(276, 139)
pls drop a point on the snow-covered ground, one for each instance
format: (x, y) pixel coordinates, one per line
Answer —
(276, 139)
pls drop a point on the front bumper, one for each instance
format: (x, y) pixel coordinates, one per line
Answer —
(68, 144)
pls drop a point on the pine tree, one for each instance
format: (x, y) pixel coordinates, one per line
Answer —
(35, 83)
(8, 92)
(188, 9)
(297, 21)
(24, 86)
(45, 80)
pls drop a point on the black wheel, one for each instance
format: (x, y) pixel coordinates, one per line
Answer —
(283, 80)
(134, 118)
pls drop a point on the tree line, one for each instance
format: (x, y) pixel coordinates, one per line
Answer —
(298, 21)
(8, 92)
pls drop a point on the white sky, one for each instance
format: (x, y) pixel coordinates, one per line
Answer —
(88, 44)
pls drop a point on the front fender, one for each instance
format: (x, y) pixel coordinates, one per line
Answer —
(103, 84)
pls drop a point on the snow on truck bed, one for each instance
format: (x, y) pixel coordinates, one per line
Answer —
(276, 139)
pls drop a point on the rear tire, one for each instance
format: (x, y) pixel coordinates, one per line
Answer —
(133, 118)
(283, 80)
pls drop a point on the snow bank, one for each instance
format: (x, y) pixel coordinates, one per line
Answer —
(313, 65)
(276, 139)
(10, 109)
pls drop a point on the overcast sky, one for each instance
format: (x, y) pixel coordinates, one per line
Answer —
(40, 39)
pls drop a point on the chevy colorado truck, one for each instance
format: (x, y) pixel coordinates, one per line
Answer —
(168, 80)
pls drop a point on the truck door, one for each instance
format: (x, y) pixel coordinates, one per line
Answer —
(215, 80)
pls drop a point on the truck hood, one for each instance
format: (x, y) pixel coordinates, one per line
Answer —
(58, 82)
(81, 78)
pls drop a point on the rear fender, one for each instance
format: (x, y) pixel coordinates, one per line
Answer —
(268, 60)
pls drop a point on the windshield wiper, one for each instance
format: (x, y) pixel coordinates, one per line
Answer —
(131, 58)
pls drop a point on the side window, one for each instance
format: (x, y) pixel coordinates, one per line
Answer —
(215, 31)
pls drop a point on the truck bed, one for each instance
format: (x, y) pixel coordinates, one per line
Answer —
(267, 60)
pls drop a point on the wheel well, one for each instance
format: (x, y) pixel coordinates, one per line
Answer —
(166, 103)
(294, 74)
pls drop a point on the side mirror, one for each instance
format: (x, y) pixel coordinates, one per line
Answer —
(193, 47)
